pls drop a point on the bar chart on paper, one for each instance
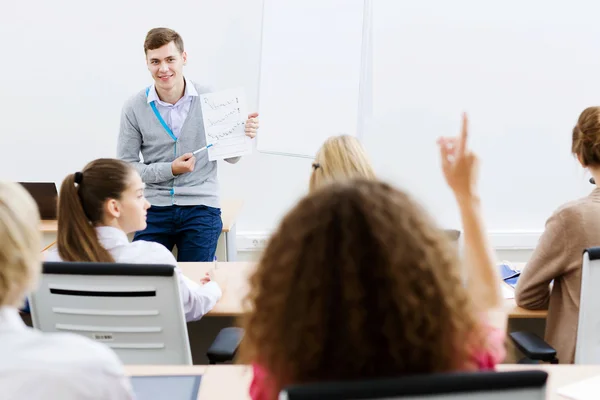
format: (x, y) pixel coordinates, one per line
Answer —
(224, 115)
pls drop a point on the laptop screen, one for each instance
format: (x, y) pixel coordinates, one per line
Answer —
(165, 387)
(45, 196)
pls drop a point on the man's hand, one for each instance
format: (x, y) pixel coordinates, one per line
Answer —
(183, 164)
(252, 125)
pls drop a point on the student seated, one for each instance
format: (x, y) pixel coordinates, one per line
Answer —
(340, 157)
(97, 208)
(36, 365)
(359, 283)
(572, 228)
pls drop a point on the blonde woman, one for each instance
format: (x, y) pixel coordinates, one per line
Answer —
(340, 157)
(35, 365)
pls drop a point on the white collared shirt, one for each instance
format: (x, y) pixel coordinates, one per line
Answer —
(65, 366)
(197, 299)
(174, 114)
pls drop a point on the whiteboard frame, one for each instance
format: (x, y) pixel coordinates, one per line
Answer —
(364, 106)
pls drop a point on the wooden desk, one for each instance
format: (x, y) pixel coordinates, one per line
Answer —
(514, 311)
(232, 381)
(226, 246)
(233, 279)
(230, 210)
(49, 226)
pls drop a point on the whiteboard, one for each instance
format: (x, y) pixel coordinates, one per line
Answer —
(523, 70)
(310, 73)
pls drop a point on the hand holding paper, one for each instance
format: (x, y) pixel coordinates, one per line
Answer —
(252, 125)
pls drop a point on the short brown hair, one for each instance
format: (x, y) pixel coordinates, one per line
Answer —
(158, 37)
(358, 283)
(586, 137)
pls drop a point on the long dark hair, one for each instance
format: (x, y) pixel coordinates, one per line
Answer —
(80, 208)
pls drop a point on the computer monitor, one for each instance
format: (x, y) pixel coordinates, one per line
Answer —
(46, 197)
(166, 387)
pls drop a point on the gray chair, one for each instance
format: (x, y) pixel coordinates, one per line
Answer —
(135, 309)
(587, 350)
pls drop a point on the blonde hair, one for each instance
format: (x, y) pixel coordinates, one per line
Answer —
(20, 243)
(358, 282)
(340, 157)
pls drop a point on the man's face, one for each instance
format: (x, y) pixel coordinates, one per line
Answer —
(166, 65)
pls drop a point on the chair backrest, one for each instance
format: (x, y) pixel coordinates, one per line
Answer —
(514, 385)
(135, 309)
(587, 349)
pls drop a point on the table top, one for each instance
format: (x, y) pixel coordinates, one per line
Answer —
(233, 279)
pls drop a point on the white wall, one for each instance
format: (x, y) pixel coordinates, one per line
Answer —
(70, 66)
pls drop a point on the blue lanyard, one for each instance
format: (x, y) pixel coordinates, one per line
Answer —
(160, 118)
(169, 131)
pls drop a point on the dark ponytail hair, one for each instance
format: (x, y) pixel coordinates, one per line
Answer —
(80, 208)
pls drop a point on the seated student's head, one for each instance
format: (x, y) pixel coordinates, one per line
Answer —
(340, 157)
(356, 283)
(20, 244)
(586, 139)
(107, 192)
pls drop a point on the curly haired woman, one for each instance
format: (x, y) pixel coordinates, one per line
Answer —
(359, 283)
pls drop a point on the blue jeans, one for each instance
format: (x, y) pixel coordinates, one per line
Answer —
(194, 230)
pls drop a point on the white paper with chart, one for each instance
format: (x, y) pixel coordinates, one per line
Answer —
(224, 115)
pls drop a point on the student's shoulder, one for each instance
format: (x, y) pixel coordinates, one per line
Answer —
(570, 211)
(76, 352)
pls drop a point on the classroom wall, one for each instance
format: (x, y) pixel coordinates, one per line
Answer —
(73, 69)
(515, 255)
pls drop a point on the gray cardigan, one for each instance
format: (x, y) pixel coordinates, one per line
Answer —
(141, 131)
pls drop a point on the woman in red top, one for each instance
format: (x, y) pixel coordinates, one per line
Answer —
(358, 283)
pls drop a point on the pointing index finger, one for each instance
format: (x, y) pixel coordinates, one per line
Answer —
(464, 134)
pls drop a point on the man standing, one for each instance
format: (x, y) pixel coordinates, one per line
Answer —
(164, 123)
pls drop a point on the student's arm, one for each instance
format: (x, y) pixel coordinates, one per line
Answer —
(196, 299)
(129, 145)
(483, 277)
(460, 167)
(549, 260)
